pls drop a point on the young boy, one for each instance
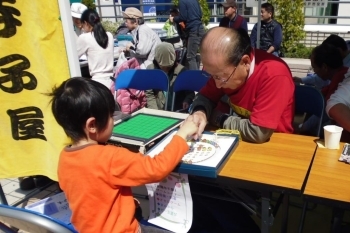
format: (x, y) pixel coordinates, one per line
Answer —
(95, 177)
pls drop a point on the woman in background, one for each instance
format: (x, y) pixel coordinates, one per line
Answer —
(98, 45)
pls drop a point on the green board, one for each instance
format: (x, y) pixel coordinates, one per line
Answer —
(144, 127)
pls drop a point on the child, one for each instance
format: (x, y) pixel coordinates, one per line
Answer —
(95, 177)
(98, 45)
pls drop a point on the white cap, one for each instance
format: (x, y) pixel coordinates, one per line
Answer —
(77, 9)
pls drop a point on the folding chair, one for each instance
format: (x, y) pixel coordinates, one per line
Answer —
(30, 221)
(189, 80)
(310, 100)
(143, 80)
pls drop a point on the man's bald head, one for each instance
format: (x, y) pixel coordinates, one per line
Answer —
(228, 42)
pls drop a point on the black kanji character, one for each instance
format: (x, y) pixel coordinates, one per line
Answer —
(26, 123)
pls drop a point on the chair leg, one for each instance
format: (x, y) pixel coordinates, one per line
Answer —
(2, 196)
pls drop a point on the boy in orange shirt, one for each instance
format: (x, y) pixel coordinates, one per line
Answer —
(95, 177)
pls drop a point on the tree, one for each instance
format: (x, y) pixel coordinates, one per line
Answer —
(290, 14)
(90, 4)
(205, 10)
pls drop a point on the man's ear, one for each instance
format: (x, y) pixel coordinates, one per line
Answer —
(91, 125)
(245, 62)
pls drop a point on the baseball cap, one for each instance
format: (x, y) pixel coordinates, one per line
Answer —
(132, 13)
(77, 9)
(229, 3)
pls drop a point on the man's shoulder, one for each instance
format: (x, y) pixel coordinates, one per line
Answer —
(264, 59)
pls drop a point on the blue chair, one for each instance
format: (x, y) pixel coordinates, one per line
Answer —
(189, 80)
(143, 80)
(310, 100)
(30, 221)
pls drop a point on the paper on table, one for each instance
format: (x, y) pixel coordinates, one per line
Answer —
(55, 206)
(171, 203)
(320, 143)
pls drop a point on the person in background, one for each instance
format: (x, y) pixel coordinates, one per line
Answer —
(315, 80)
(270, 33)
(232, 19)
(338, 107)
(165, 59)
(341, 45)
(96, 176)
(172, 28)
(98, 46)
(145, 39)
(191, 15)
(77, 10)
(327, 62)
(261, 98)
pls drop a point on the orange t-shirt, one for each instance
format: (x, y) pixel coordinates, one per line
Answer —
(97, 179)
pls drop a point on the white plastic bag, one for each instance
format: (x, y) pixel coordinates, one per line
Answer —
(121, 60)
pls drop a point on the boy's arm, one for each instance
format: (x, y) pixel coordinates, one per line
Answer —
(133, 169)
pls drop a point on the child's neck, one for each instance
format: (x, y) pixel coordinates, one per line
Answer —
(84, 142)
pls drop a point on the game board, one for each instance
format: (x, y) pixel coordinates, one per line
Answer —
(205, 156)
(200, 150)
(144, 127)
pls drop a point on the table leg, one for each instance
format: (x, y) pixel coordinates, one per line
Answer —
(337, 220)
(285, 213)
(266, 217)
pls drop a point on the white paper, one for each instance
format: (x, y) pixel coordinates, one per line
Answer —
(171, 203)
(224, 142)
(55, 206)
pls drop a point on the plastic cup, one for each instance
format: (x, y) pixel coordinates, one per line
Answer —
(332, 134)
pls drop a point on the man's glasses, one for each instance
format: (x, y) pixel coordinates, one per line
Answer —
(223, 80)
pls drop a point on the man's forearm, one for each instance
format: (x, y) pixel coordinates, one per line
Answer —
(341, 114)
(249, 132)
(203, 103)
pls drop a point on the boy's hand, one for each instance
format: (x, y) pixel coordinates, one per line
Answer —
(187, 129)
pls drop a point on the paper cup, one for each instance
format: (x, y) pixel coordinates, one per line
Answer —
(332, 134)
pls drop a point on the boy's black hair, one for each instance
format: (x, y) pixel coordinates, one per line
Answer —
(269, 8)
(327, 54)
(78, 99)
(336, 41)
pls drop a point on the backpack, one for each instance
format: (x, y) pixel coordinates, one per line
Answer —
(130, 100)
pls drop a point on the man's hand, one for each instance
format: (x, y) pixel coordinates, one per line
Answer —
(200, 119)
(127, 48)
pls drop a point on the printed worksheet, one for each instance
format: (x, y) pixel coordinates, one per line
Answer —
(171, 203)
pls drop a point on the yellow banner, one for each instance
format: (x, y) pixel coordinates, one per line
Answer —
(32, 60)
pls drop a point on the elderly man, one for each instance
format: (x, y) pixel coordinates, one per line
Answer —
(76, 10)
(145, 39)
(232, 19)
(259, 86)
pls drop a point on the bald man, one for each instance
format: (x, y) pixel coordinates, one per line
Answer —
(259, 86)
